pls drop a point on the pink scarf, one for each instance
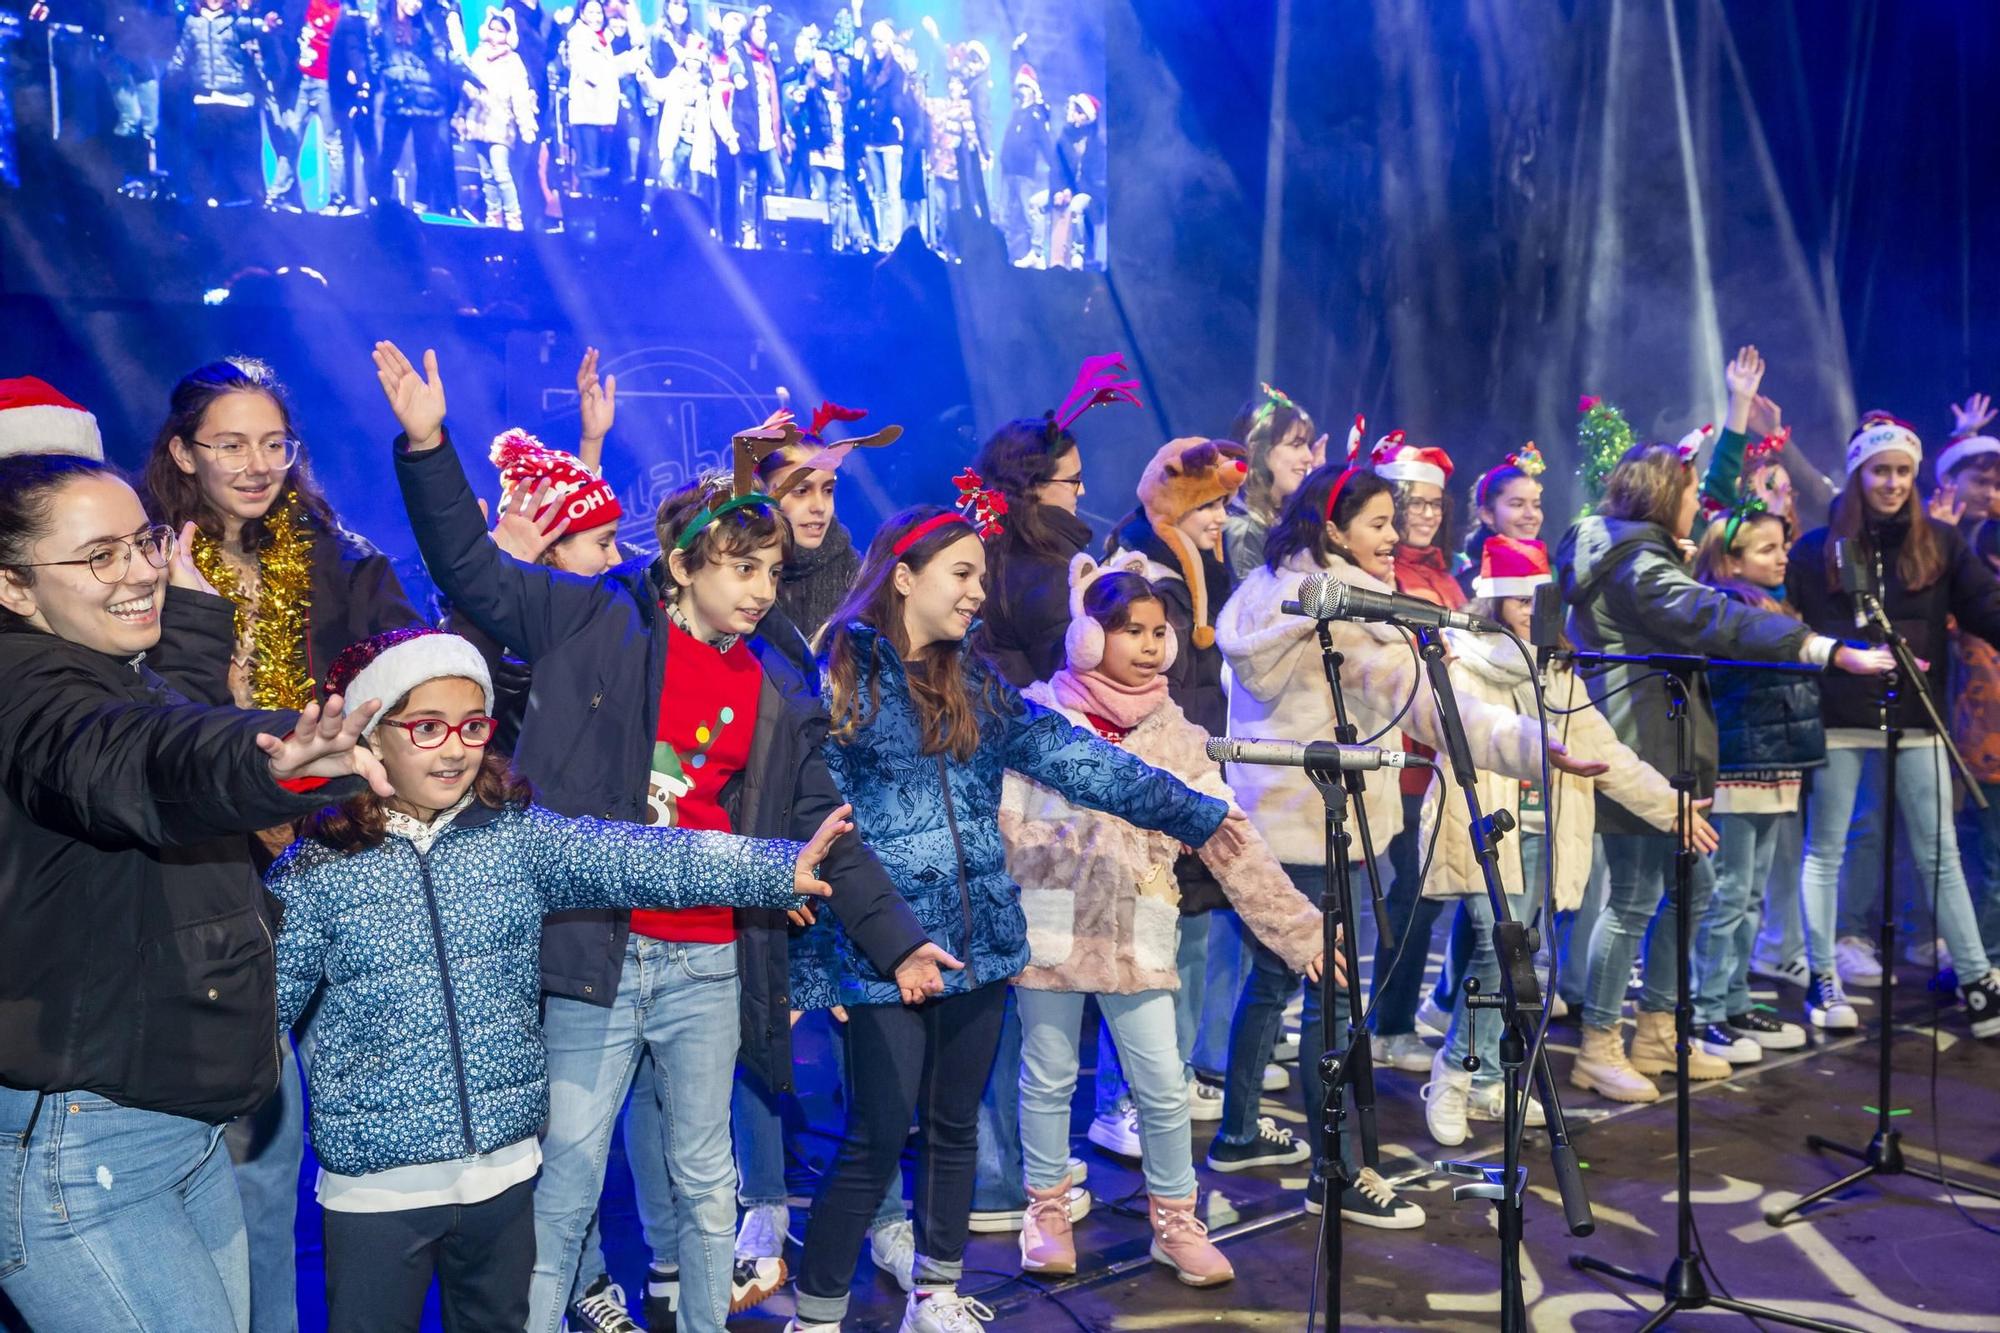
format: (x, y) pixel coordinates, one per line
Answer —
(1095, 692)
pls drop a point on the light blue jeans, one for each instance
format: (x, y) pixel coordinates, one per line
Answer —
(680, 1002)
(1728, 929)
(652, 1192)
(1782, 936)
(117, 1220)
(997, 1174)
(1191, 966)
(1476, 911)
(1222, 981)
(1980, 837)
(1853, 779)
(1574, 929)
(1640, 910)
(268, 1147)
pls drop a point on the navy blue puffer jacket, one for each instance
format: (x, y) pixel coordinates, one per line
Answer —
(430, 1038)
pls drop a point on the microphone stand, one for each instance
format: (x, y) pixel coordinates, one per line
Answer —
(1684, 1287)
(1519, 998)
(1884, 1154)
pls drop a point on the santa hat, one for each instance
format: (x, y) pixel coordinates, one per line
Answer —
(1083, 641)
(36, 419)
(577, 493)
(1181, 477)
(1396, 460)
(390, 665)
(1880, 433)
(1088, 105)
(1026, 74)
(1510, 567)
(1963, 450)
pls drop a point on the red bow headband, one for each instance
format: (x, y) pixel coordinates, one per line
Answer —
(1768, 447)
(977, 506)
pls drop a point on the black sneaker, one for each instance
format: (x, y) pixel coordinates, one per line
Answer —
(1371, 1202)
(601, 1309)
(754, 1281)
(663, 1301)
(1827, 1006)
(1271, 1147)
(1771, 1033)
(1982, 1003)
(1726, 1043)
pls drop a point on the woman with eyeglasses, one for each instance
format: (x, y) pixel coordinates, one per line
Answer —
(227, 468)
(1034, 463)
(137, 985)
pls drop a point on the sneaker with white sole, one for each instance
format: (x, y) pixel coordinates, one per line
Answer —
(794, 1326)
(1271, 1147)
(754, 1281)
(1982, 1003)
(1431, 1020)
(1001, 1221)
(1855, 961)
(1726, 1043)
(944, 1312)
(1484, 1104)
(1370, 1202)
(1117, 1131)
(1286, 1052)
(1444, 1101)
(1276, 1078)
(1405, 1051)
(1079, 1171)
(1773, 1034)
(1204, 1100)
(601, 1309)
(761, 1235)
(1827, 1006)
(893, 1248)
(1792, 972)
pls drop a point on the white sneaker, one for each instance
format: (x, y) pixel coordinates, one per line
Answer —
(1204, 1100)
(1431, 1020)
(1276, 1079)
(1854, 959)
(1791, 973)
(1827, 1006)
(1000, 1221)
(1079, 1171)
(762, 1233)
(944, 1312)
(1485, 1104)
(1444, 1101)
(1406, 1051)
(1117, 1131)
(894, 1250)
(1286, 1052)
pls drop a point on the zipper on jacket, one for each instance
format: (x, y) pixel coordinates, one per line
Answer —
(450, 1005)
(278, 1039)
(958, 852)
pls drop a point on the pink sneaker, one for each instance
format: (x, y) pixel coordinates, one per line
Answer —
(1181, 1242)
(1048, 1245)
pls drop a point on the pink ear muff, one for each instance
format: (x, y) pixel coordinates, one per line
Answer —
(1083, 644)
(1173, 648)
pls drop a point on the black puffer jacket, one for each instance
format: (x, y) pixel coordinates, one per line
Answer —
(415, 70)
(1767, 720)
(1967, 589)
(1027, 609)
(598, 649)
(1629, 592)
(135, 961)
(214, 52)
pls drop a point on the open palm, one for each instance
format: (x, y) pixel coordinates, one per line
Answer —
(417, 400)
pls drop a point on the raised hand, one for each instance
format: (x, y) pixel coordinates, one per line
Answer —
(917, 976)
(530, 527)
(1974, 414)
(417, 400)
(805, 872)
(1743, 376)
(597, 404)
(181, 571)
(326, 743)
(1946, 505)
(1766, 418)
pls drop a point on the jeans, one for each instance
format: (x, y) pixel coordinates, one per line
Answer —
(1728, 929)
(1395, 991)
(1222, 982)
(997, 1174)
(1191, 967)
(931, 1060)
(1480, 1036)
(432, 185)
(379, 1265)
(1573, 930)
(113, 1218)
(496, 183)
(680, 1001)
(1259, 1016)
(883, 165)
(1143, 1025)
(1782, 936)
(268, 1147)
(1853, 779)
(288, 140)
(1979, 836)
(1640, 910)
(225, 164)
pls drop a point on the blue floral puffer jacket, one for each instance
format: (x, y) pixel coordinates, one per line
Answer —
(933, 822)
(430, 1038)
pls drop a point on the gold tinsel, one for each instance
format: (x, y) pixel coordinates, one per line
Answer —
(275, 626)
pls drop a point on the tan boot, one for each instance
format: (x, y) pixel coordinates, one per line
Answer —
(1601, 1067)
(1653, 1050)
(1047, 1243)
(1181, 1242)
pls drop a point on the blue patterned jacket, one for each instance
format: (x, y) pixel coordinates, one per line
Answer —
(933, 822)
(430, 1038)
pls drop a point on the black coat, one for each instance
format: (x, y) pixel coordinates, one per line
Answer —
(1767, 720)
(135, 961)
(1027, 609)
(1628, 591)
(598, 649)
(1967, 589)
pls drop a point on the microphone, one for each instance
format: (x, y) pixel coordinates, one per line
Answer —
(1856, 578)
(1545, 625)
(1323, 755)
(1323, 597)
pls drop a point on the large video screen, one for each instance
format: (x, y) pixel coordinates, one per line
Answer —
(803, 124)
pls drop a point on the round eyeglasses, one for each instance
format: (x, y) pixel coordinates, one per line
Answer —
(428, 733)
(238, 455)
(111, 559)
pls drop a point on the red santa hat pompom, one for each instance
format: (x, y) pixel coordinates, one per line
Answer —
(578, 494)
(37, 419)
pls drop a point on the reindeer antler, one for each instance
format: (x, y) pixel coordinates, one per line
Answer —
(1098, 383)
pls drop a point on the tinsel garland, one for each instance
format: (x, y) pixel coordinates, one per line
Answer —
(1602, 438)
(276, 625)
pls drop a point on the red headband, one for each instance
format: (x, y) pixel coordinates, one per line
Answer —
(925, 529)
(1340, 484)
(977, 507)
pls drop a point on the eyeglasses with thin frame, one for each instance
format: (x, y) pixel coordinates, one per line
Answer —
(1424, 506)
(428, 733)
(111, 560)
(236, 455)
(1076, 481)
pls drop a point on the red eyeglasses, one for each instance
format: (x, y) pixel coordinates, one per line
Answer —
(428, 733)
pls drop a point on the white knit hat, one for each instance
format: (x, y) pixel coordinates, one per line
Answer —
(37, 419)
(1880, 433)
(394, 662)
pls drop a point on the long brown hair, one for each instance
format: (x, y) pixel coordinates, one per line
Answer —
(1017, 460)
(948, 701)
(1711, 562)
(176, 495)
(1921, 561)
(1262, 423)
(361, 822)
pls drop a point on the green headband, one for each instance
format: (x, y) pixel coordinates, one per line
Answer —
(708, 516)
(1752, 508)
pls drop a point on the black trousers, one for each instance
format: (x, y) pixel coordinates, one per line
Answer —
(379, 1265)
(931, 1059)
